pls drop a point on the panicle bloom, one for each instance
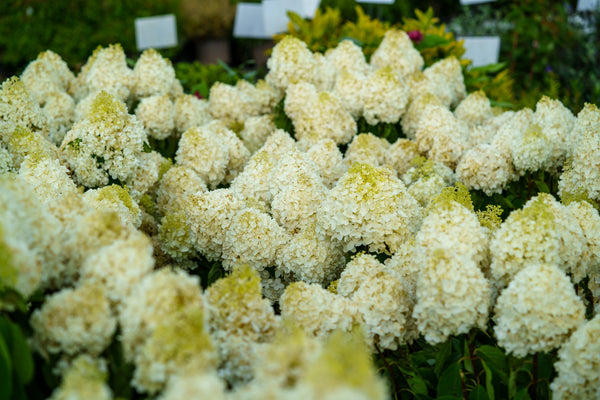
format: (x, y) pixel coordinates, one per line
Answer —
(175, 236)
(190, 112)
(366, 148)
(192, 385)
(399, 155)
(440, 135)
(23, 142)
(115, 198)
(396, 50)
(291, 62)
(85, 379)
(485, 167)
(119, 266)
(18, 106)
(556, 122)
(447, 81)
(254, 238)
(73, 321)
(543, 231)
(256, 131)
(177, 183)
(384, 96)
(582, 174)
(416, 108)
(329, 161)
(325, 73)
(426, 178)
(318, 115)
(41, 78)
(369, 206)
(348, 88)
(475, 109)
(317, 311)
(59, 108)
(577, 365)
(154, 75)
(105, 70)
(157, 114)
(311, 257)
(380, 297)
(348, 56)
(538, 310)
(589, 221)
(151, 301)
(235, 104)
(106, 143)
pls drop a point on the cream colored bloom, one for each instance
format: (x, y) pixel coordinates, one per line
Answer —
(18, 106)
(347, 55)
(154, 75)
(396, 50)
(291, 62)
(74, 321)
(157, 114)
(328, 160)
(256, 131)
(399, 155)
(105, 70)
(416, 108)
(384, 96)
(474, 109)
(349, 88)
(177, 183)
(84, 379)
(366, 148)
(194, 385)
(190, 112)
(117, 199)
(538, 311)
(59, 108)
(485, 167)
(447, 81)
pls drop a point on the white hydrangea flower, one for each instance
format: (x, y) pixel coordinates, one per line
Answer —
(396, 50)
(84, 379)
(416, 108)
(72, 321)
(384, 96)
(157, 114)
(311, 257)
(366, 148)
(316, 310)
(474, 109)
(6, 161)
(146, 174)
(399, 155)
(485, 167)
(154, 75)
(41, 78)
(349, 88)
(291, 62)
(256, 131)
(194, 385)
(325, 73)
(447, 81)
(556, 122)
(589, 221)
(253, 237)
(582, 176)
(117, 199)
(318, 115)
(190, 112)
(380, 297)
(487, 131)
(348, 56)
(105, 70)
(18, 106)
(329, 161)
(369, 206)
(577, 365)
(425, 179)
(543, 231)
(119, 266)
(151, 301)
(177, 183)
(235, 104)
(59, 108)
(538, 310)
(106, 143)
(515, 125)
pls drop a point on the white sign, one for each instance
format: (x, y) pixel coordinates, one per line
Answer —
(309, 8)
(376, 1)
(467, 2)
(482, 50)
(158, 32)
(587, 5)
(275, 14)
(249, 21)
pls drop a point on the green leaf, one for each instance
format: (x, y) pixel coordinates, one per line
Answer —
(450, 383)
(489, 69)
(495, 359)
(432, 41)
(542, 186)
(21, 354)
(442, 356)
(5, 370)
(522, 395)
(478, 393)
(488, 381)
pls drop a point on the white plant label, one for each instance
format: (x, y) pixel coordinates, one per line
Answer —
(376, 1)
(309, 8)
(587, 5)
(249, 21)
(483, 50)
(468, 2)
(275, 14)
(158, 32)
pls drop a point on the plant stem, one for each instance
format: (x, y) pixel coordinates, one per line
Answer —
(472, 355)
(533, 388)
(389, 369)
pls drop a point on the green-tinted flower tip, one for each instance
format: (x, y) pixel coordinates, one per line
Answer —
(490, 218)
(107, 109)
(116, 193)
(367, 178)
(457, 193)
(333, 286)
(75, 143)
(425, 168)
(534, 132)
(228, 293)
(164, 166)
(580, 194)
(148, 204)
(8, 272)
(174, 228)
(539, 211)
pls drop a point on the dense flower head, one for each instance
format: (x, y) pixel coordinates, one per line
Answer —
(318, 115)
(475, 109)
(369, 206)
(347, 55)
(426, 178)
(157, 114)
(577, 365)
(485, 167)
(59, 108)
(151, 301)
(190, 112)
(74, 321)
(582, 174)
(538, 310)
(589, 221)
(115, 198)
(84, 379)
(366, 148)
(348, 88)
(291, 62)
(416, 108)
(205, 384)
(399, 155)
(106, 143)
(328, 160)
(556, 122)
(256, 131)
(24, 142)
(380, 297)
(384, 96)
(235, 104)
(178, 182)
(543, 231)
(325, 73)
(154, 75)
(447, 81)
(106, 69)
(41, 78)
(396, 50)
(18, 106)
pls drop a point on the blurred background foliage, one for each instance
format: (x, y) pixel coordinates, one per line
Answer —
(547, 47)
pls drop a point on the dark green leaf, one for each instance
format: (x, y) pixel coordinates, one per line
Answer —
(442, 356)
(489, 69)
(488, 381)
(542, 186)
(6, 378)
(21, 355)
(478, 393)
(432, 41)
(522, 395)
(450, 383)
(146, 148)
(495, 360)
